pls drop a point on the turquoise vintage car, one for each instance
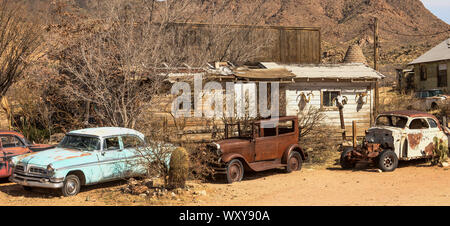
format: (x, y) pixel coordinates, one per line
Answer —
(84, 157)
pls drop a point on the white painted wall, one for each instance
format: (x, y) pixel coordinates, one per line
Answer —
(352, 112)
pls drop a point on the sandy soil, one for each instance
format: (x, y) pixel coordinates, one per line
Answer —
(411, 184)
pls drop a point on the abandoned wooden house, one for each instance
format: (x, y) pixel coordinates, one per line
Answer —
(431, 69)
(304, 82)
(302, 86)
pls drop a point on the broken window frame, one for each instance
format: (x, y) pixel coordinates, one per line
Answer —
(333, 106)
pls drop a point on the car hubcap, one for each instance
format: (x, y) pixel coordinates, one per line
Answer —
(293, 163)
(388, 162)
(235, 172)
(71, 187)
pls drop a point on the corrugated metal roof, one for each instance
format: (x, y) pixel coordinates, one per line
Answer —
(438, 53)
(334, 71)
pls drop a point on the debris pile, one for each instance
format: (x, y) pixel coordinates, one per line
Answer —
(147, 188)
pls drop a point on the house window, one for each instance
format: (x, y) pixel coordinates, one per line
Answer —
(329, 97)
(442, 75)
(423, 73)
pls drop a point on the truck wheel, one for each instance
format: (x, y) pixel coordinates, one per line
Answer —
(344, 161)
(294, 162)
(71, 186)
(387, 161)
(235, 171)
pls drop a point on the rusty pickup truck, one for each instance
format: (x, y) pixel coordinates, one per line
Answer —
(257, 146)
(397, 135)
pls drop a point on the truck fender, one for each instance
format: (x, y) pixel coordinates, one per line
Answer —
(228, 157)
(290, 149)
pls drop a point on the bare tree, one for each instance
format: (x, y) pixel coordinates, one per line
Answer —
(19, 40)
(121, 61)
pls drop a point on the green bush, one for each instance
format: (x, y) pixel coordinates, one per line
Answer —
(440, 151)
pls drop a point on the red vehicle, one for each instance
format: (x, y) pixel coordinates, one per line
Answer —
(13, 144)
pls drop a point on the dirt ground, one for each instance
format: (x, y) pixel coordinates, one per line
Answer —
(415, 183)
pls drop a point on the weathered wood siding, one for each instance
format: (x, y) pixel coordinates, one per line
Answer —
(300, 45)
(361, 113)
(432, 76)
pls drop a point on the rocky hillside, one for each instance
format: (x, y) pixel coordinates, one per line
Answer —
(342, 22)
(345, 22)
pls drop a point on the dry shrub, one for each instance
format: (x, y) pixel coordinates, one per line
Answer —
(393, 101)
(318, 139)
(200, 161)
(321, 144)
(179, 168)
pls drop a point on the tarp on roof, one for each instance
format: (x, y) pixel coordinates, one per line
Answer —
(438, 53)
(334, 71)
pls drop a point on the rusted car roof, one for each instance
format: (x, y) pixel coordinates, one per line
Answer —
(278, 118)
(410, 113)
(7, 132)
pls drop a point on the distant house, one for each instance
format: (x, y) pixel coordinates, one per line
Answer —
(431, 69)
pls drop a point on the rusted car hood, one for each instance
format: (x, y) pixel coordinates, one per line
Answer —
(56, 156)
(384, 129)
(233, 144)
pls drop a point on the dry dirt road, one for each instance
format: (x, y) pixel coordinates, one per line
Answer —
(416, 184)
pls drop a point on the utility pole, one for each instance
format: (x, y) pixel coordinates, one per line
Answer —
(375, 64)
(375, 44)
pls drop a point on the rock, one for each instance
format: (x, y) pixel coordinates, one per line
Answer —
(444, 164)
(148, 183)
(126, 190)
(132, 182)
(143, 195)
(203, 192)
(139, 190)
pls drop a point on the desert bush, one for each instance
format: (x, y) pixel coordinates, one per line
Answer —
(440, 151)
(322, 144)
(200, 161)
(393, 101)
(179, 168)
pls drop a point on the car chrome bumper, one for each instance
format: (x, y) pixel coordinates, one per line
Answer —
(33, 182)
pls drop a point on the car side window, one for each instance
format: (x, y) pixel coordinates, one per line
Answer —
(432, 123)
(111, 144)
(268, 130)
(11, 142)
(418, 124)
(286, 127)
(131, 142)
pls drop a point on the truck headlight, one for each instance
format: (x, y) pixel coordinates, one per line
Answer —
(50, 169)
(11, 163)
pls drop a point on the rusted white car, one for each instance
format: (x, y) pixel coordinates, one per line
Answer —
(433, 99)
(398, 135)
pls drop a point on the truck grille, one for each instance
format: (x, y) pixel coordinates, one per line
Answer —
(19, 168)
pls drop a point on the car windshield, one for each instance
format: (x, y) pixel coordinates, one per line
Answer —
(436, 93)
(81, 143)
(392, 121)
(239, 131)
